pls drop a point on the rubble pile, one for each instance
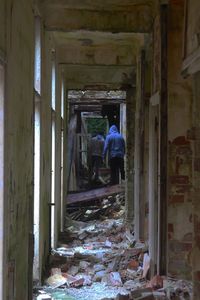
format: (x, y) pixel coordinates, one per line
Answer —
(101, 260)
(112, 205)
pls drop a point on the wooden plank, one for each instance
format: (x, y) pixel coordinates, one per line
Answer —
(96, 194)
(71, 140)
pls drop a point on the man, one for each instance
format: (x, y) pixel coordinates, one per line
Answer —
(115, 146)
(96, 148)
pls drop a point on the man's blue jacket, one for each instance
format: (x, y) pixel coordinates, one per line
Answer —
(114, 144)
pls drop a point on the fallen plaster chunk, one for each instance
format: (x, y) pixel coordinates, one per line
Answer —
(44, 297)
(56, 280)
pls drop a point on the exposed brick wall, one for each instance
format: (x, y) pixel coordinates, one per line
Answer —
(180, 150)
(194, 134)
(180, 208)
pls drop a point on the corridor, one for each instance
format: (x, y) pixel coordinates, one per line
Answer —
(69, 70)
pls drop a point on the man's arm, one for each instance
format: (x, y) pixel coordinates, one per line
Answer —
(124, 145)
(106, 145)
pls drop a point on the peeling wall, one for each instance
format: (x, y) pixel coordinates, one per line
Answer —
(130, 143)
(19, 148)
(192, 26)
(180, 150)
(2, 25)
(195, 138)
(191, 53)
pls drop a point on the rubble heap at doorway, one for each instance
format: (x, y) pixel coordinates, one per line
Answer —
(102, 261)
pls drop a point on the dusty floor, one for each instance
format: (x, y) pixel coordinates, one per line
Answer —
(100, 260)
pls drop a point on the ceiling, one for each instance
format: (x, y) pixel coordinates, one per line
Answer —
(97, 41)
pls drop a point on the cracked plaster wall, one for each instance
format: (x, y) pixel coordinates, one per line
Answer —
(19, 49)
(192, 26)
(192, 46)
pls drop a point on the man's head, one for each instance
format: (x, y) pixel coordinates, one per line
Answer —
(113, 129)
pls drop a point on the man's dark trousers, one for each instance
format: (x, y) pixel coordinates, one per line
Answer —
(116, 166)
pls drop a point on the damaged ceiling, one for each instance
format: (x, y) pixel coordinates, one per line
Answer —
(97, 42)
(110, 16)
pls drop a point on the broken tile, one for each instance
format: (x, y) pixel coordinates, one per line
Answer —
(146, 265)
(113, 279)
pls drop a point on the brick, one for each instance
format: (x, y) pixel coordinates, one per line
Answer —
(196, 219)
(181, 189)
(187, 246)
(196, 276)
(170, 227)
(180, 246)
(179, 179)
(197, 164)
(197, 240)
(180, 140)
(170, 236)
(187, 237)
(176, 199)
(184, 150)
(177, 267)
(193, 133)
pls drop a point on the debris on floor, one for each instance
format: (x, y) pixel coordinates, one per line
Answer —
(101, 260)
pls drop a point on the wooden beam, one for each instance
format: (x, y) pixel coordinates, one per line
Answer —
(95, 102)
(88, 108)
(96, 194)
(89, 95)
(163, 142)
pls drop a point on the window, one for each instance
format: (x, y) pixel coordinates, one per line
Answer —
(62, 98)
(36, 265)
(37, 129)
(37, 73)
(53, 89)
(53, 145)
